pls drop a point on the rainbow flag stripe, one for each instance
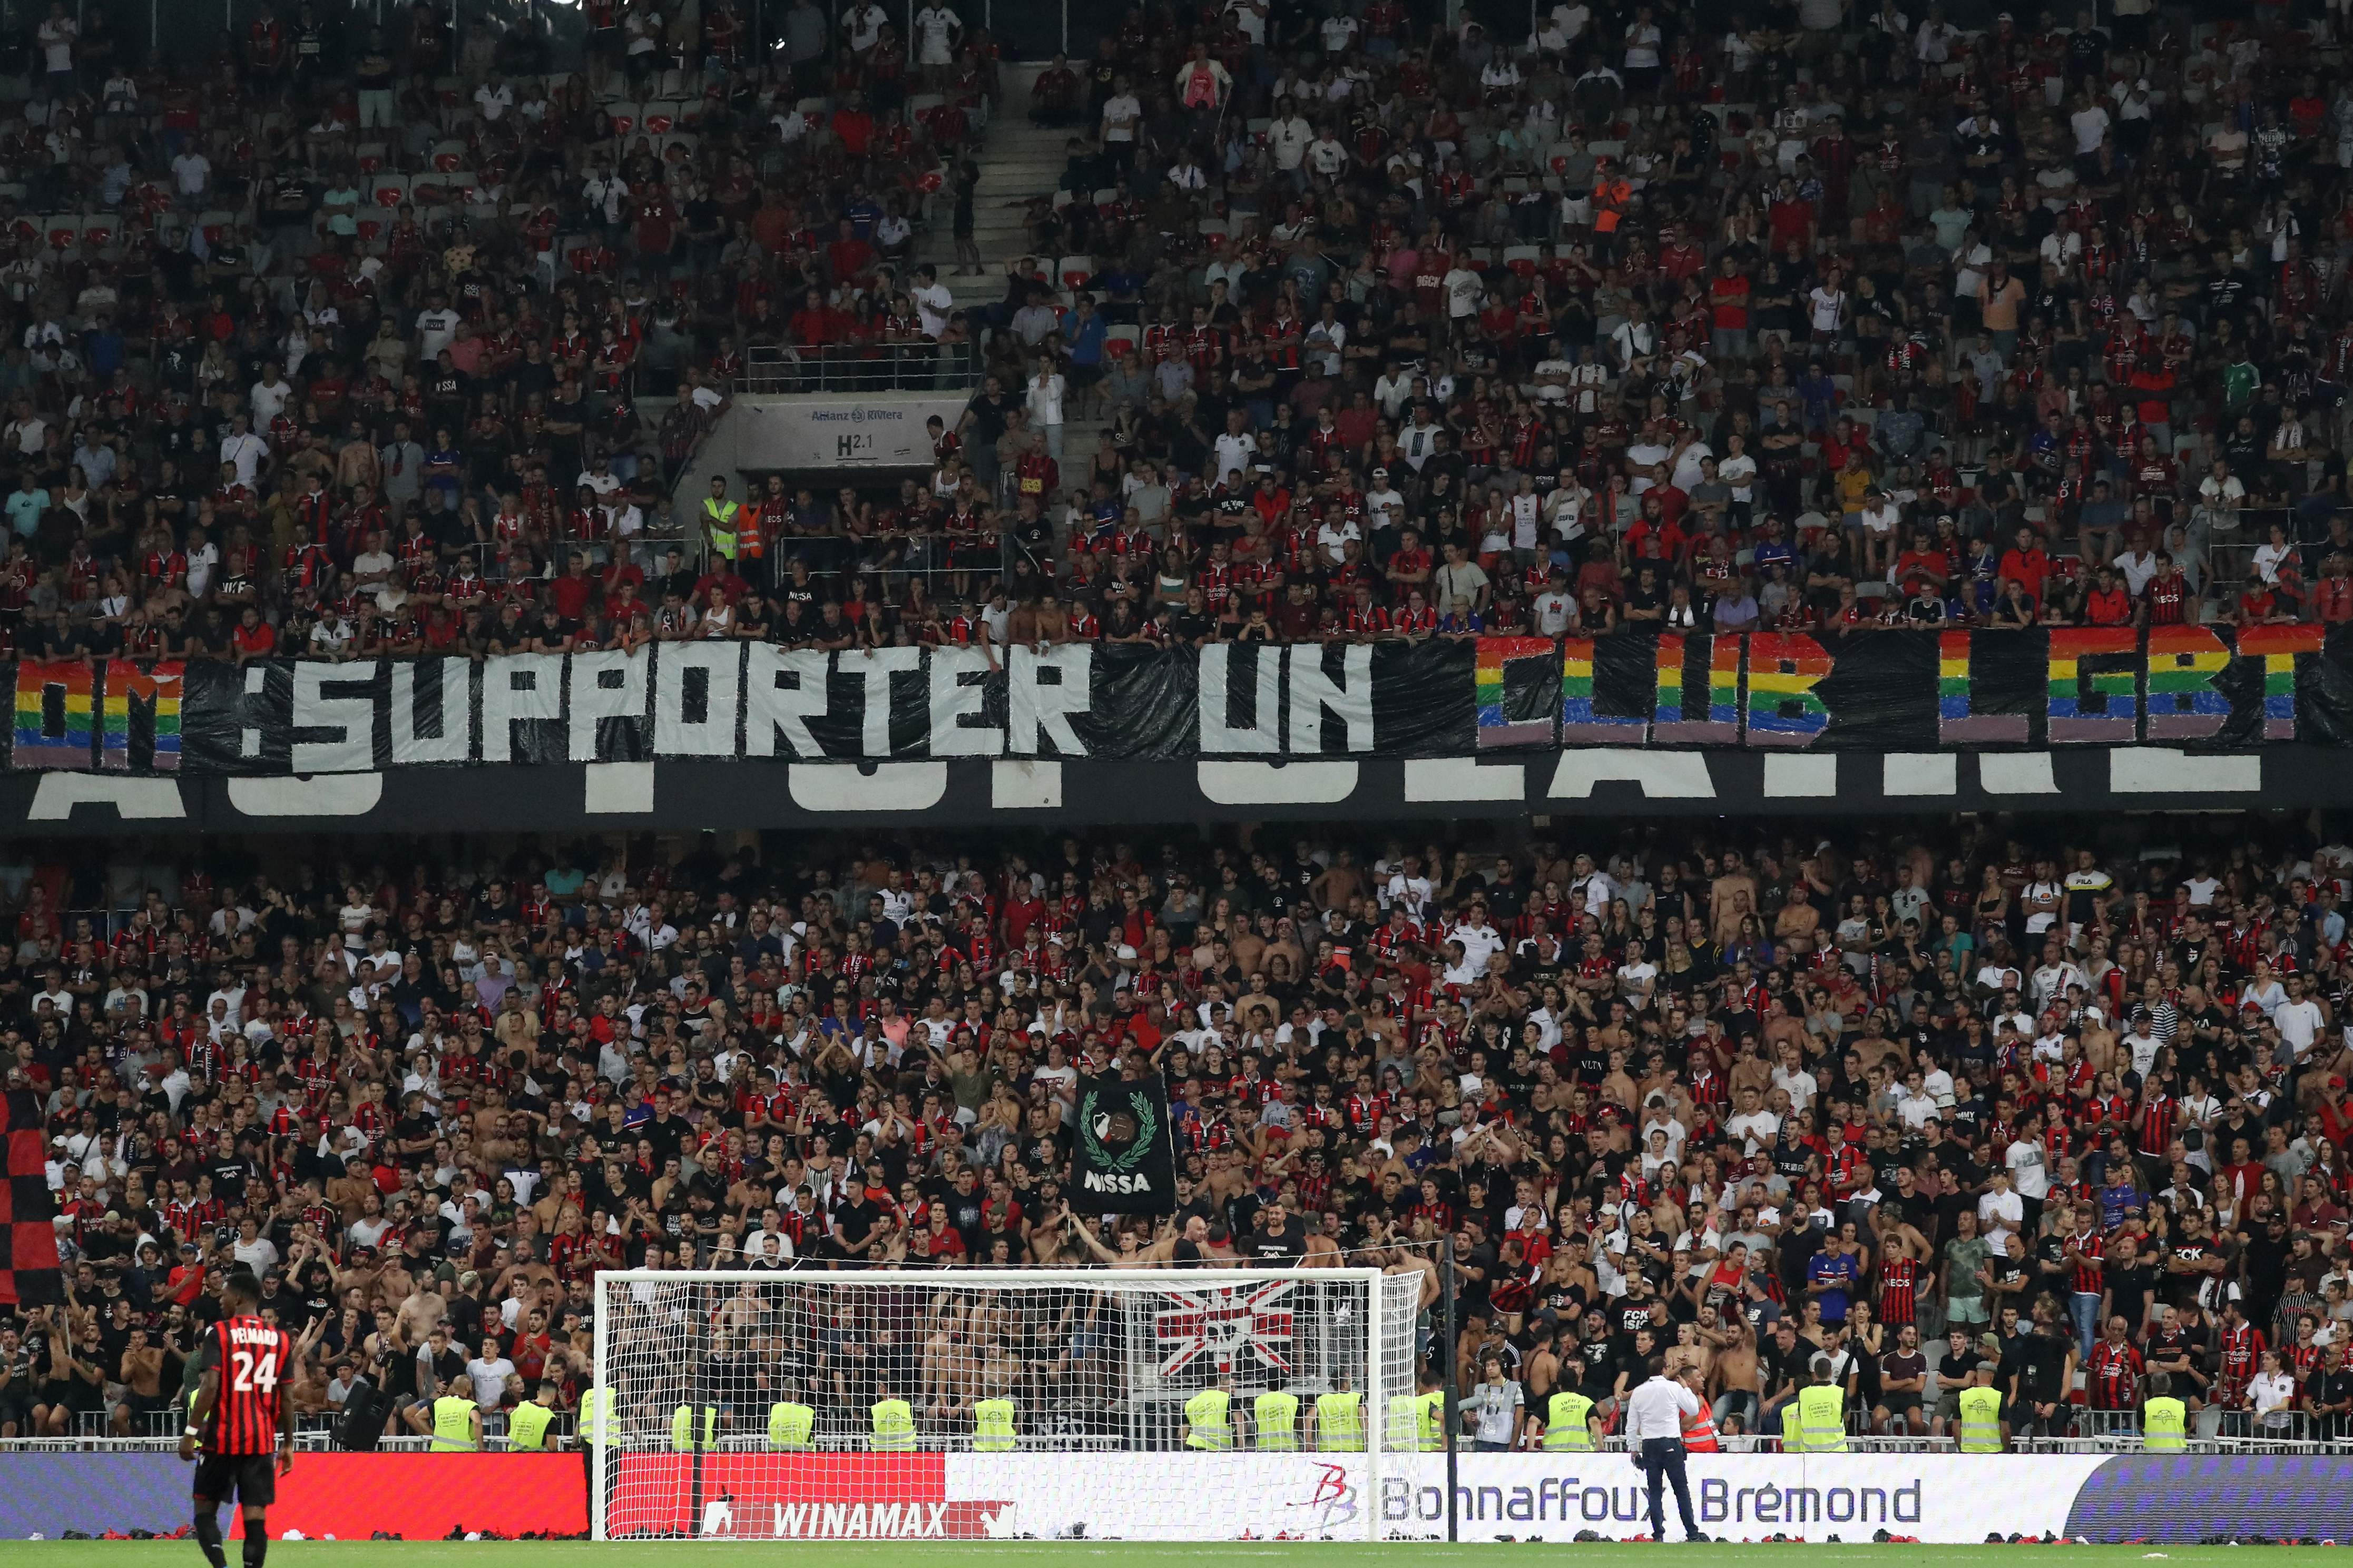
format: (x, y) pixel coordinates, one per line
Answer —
(1578, 722)
(1783, 671)
(2279, 648)
(2184, 704)
(53, 713)
(1497, 727)
(1722, 725)
(2092, 704)
(1957, 719)
(159, 690)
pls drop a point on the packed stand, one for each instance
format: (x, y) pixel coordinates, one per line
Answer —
(358, 340)
(1837, 317)
(2070, 1106)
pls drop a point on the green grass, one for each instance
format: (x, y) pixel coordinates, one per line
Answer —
(1021, 1555)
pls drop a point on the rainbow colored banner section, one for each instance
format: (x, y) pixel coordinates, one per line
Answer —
(113, 714)
(1909, 690)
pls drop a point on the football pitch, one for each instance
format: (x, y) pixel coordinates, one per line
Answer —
(1142, 1554)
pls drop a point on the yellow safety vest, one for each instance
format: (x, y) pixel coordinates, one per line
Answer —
(2164, 1426)
(681, 1428)
(527, 1425)
(894, 1426)
(1567, 1429)
(1340, 1422)
(1980, 1421)
(596, 1418)
(1404, 1423)
(789, 1424)
(720, 517)
(453, 1424)
(1822, 1418)
(1793, 1437)
(1274, 1416)
(1208, 1419)
(992, 1426)
(1434, 1421)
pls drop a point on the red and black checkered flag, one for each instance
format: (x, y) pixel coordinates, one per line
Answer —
(28, 1275)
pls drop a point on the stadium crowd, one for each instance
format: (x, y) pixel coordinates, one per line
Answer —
(2069, 1105)
(1830, 316)
(1826, 315)
(1400, 329)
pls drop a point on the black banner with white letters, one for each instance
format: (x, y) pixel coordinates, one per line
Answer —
(1230, 708)
(1124, 1158)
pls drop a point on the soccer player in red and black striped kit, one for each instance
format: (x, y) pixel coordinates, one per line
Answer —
(243, 1419)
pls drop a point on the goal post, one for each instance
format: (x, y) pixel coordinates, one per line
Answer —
(1135, 1404)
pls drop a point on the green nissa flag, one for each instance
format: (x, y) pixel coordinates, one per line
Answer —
(1125, 1160)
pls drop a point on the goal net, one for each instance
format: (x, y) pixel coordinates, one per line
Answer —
(1099, 1404)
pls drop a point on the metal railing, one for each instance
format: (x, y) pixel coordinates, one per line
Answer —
(861, 367)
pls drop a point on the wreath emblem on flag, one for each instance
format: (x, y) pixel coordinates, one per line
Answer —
(1119, 1137)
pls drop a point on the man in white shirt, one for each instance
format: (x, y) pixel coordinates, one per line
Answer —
(862, 25)
(436, 328)
(1654, 1432)
(938, 31)
(933, 300)
(1122, 113)
(494, 98)
(1236, 448)
(1289, 136)
(1758, 1125)
(244, 449)
(190, 171)
(270, 394)
(1554, 611)
(2299, 1019)
(1465, 289)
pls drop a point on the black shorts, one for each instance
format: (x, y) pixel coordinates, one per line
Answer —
(253, 1478)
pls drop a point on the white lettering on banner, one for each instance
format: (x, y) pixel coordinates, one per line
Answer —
(875, 667)
(1022, 785)
(617, 789)
(159, 799)
(353, 720)
(1799, 776)
(1265, 783)
(713, 735)
(1662, 776)
(783, 690)
(701, 700)
(1439, 780)
(517, 686)
(606, 684)
(2015, 773)
(1920, 773)
(2163, 770)
(846, 786)
(454, 742)
(956, 674)
(319, 794)
(854, 1521)
(256, 683)
(1262, 735)
(1038, 707)
(1314, 694)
